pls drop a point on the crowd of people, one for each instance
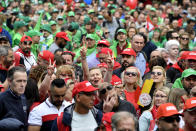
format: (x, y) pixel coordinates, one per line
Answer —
(97, 65)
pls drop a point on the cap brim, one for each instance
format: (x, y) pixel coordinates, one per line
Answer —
(103, 44)
(191, 109)
(66, 38)
(191, 57)
(189, 75)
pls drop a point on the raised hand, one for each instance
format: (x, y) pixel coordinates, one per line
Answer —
(50, 68)
(109, 103)
(110, 61)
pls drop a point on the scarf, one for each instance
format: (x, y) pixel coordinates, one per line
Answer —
(176, 66)
(25, 54)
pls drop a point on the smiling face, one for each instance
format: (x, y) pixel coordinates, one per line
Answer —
(95, 77)
(160, 98)
(131, 75)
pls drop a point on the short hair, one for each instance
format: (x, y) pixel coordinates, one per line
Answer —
(171, 43)
(59, 83)
(68, 69)
(158, 61)
(121, 116)
(10, 74)
(4, 50)
(141, 35)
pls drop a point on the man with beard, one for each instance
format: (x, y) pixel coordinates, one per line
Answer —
(42, 116)
(187, 80)
(25, 52)
(190, 114)
(60, 41)
(128, 59)
(6, 60)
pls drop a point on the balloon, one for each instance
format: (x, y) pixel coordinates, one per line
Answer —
(88, 2)
(68, 1)
(132, 4)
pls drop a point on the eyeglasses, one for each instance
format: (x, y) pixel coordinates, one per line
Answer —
(171, 119)
(27, 42)
(161, 96)
(156, 73)
(106, 32)
(184, 38)
(134, 74)
(103, 91)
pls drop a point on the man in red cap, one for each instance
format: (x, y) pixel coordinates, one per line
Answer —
(191, 57)
(78, 115)
(25, 52)
(167, 118)
(60, 41)
(128, 59)
(190, 114)
(45, 57)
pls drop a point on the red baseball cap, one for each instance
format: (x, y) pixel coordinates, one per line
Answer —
(191, 55)
(84, 86)
(25, 38)
(190, 103)
(47, 55)
(184, 55)
(73, 54)
(104, 42)
(167, 109)
(129, 51)
(116, 80)
(107, 120)
(104, 51)
(62, 35)
(102, 65)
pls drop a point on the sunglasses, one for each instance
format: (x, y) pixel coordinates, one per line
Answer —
(171, 119)
(27, 42)
(156, 73)
(184, 38)
(106, 32)
(103, 91)
(131, 73)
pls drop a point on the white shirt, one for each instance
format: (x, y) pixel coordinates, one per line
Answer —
(44, 111)
(83, 122)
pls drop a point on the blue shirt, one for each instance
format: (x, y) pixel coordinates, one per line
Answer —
(140, 63)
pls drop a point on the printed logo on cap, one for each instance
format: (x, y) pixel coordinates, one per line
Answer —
(88, 84)
(192, 53)
(118, 82)
(127, 49)
(169, 108)
(193, 101)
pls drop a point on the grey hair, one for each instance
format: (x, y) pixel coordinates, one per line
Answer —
(162, 50)
(122, 115)
(4, 50)
(171, 43)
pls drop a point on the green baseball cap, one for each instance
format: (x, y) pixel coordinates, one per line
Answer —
(71, 13)
(19, 24)
(74, 25)
(86, 19)
(153, 9)
(91, 11)
(46, 27)
(26, 19)
(55, 10)
(32, 33)
(52, 22)
(122, 30)
(90, 36)
(100, 17)
(188, 72)
(82, 5)
(60, 17)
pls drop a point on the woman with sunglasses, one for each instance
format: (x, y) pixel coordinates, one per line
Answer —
(132, 81)
(147, 119)
(158, 75)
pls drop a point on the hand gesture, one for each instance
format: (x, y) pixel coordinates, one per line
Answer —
(109, 103)
(51, 68)
(83, 51)
(110, 61)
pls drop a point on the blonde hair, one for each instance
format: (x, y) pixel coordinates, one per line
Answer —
(163, 89)
(68, 69)
(139, 80)
(163, 70)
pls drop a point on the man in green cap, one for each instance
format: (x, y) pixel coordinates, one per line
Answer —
(47, 39)
(187, 80)
(121, 43)
(35, 36)
(54, 14)
(20, 28)
(71, 17)
(91, 48)
(60, 22)
(53, 25)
